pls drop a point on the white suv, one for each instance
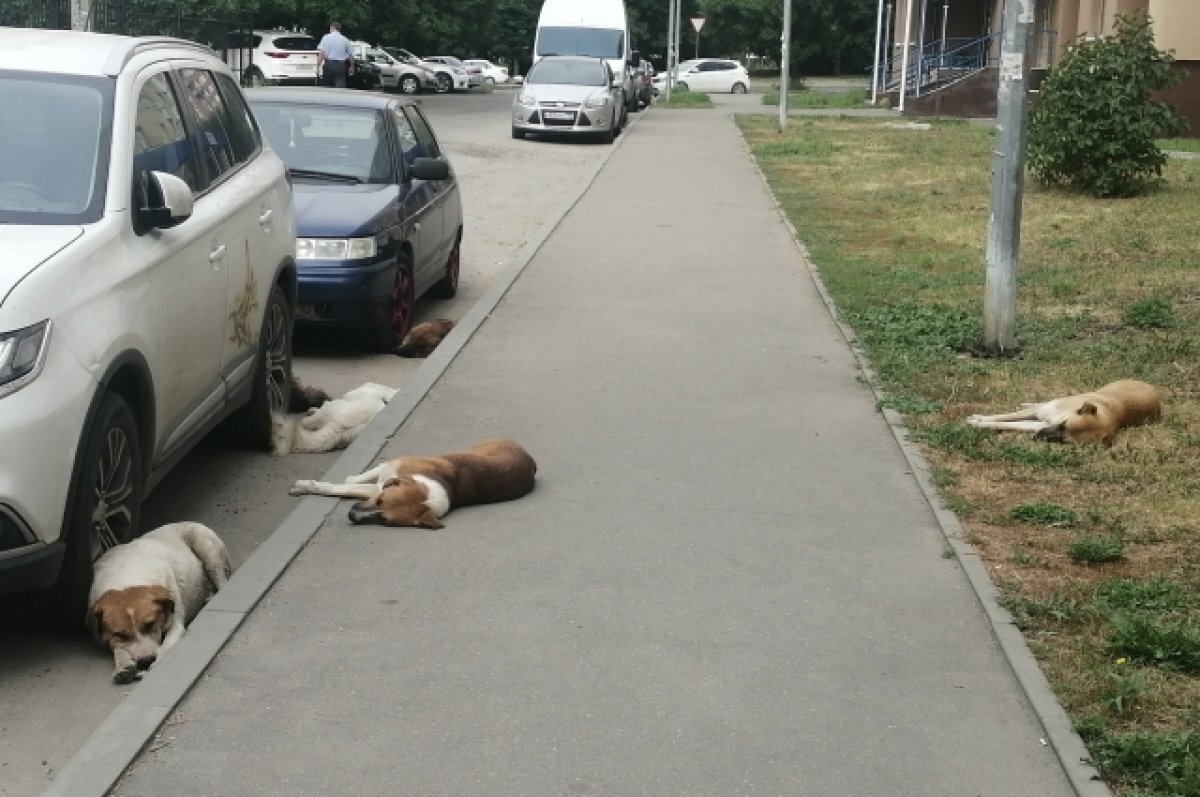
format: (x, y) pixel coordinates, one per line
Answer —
(272, 57)
(147, 289)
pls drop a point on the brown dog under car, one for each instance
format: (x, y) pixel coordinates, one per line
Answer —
(423, 338)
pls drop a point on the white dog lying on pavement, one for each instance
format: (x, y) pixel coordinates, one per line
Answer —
(331, 426)
(145, 591)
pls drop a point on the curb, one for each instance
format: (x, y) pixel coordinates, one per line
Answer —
(119, 740)
(1060, 733)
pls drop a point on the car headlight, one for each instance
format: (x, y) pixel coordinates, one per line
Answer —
(527, 100)
(599, 101)
(22, 355)
(335, 248)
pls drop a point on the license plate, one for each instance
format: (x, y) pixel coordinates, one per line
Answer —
(559, 115)
(306, 311)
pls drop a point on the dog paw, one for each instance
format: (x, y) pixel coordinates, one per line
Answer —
(974, 420)
(127, 675)
(301, 487)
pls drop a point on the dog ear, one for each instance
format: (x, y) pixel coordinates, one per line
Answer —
(1087, 408)
(429, 520)
(167, 605)
(92, 620)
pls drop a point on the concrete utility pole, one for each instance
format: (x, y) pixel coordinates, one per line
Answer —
(678, 29)
(671, 59)
(785, 64)
(878, 50)
(1008, 177)
(80, 11)
(908, 9)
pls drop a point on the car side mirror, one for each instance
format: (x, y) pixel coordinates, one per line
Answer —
(429, 169)
(168, 201)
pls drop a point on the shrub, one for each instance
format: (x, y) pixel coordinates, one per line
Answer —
(1095, 127)
(1151, 312)
(1044, 513)
(1095, 548)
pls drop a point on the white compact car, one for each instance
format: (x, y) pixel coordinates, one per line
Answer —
(492, 72)
(571, 95)
(708, 75)
(147, 290)
(271, 57)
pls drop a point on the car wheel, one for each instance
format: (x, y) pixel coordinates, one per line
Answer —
(105, 509)
(681, 86)
(518, 134)
(738, 88)
(400, 310)
(447, 286)
(489, 81)
(409, 85)
(611, 133)
(444, 83)
(254, 77)
(250, 426)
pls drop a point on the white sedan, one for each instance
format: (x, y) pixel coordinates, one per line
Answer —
(713, 75)
(497, 74)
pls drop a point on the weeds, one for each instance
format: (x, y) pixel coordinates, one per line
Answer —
(1044, 513)
(1095, 549)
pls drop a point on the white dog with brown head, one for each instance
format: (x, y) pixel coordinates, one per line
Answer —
(145, 592)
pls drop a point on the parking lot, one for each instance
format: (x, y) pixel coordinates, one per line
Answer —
(55, 691)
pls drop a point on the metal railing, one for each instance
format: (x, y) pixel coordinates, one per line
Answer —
(946, 61)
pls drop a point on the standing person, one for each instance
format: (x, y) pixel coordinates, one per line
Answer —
(335, 57)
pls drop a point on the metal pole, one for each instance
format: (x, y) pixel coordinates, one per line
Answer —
(908, 8)
(890, 54)
(945, 20)
(678, 29)
(785, 66)
(697, 44)
(1008, 171)
(670, 45)
(921, 49)
(878, 44)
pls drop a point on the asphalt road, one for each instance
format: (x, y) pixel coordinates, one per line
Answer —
(55, 691)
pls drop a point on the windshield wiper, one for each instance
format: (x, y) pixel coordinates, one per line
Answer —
(319, 175)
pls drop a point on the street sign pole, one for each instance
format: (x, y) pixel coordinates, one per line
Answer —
(697, 23)
(785, 64)
(1008, 173)
(671, 59)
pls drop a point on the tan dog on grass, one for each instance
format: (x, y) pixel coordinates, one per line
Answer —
(418, 491)
(1094, 417)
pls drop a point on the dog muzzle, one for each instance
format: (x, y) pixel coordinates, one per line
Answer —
(360, 514)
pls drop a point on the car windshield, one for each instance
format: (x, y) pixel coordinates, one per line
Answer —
(54, 134)
(451, 60)
(567, 73)
(596, 42)
(314, 139)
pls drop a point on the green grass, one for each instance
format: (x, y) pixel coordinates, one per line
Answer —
(1179, 144)
(818, 99)
(896, 224)
(684, 99)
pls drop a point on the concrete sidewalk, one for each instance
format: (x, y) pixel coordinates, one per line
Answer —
(727, 581)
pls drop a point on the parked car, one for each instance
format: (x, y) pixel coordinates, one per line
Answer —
(569, 95)
(366, 75)
(146, 291)
(396, 75)
(445, 77)
(474, 73)
(492, 72)
(271, 57)
(378, 211)
(710, 75)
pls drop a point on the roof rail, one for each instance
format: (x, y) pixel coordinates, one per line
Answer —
(123, 53)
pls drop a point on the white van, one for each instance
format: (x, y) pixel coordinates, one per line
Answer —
(597, 28)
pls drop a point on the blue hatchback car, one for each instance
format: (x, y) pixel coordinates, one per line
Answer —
(378, 212)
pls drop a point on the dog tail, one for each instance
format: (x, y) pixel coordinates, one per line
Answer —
(211, 552)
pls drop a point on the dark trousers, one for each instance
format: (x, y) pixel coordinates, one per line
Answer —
(334, 73)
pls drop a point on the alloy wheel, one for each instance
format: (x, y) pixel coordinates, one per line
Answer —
(113, 491)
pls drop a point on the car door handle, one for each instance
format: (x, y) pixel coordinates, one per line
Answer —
(217, 254)
(266, 216)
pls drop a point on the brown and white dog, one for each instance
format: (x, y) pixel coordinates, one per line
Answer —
(423, 338)
(1094, 417)
(145, 591)
(331, 426)
(418, 491)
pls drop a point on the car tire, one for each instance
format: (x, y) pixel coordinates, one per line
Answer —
(250, 426)
(388, 335)
(445, 83)
(447, 286)
(490, 82)
(105, 508)
(409, 84)
(518, 134)
(681, 86)
(738, 88)
(610, 133)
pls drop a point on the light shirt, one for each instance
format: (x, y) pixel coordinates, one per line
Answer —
(335, 47)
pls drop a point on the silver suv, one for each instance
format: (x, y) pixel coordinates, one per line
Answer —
(146, 290)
